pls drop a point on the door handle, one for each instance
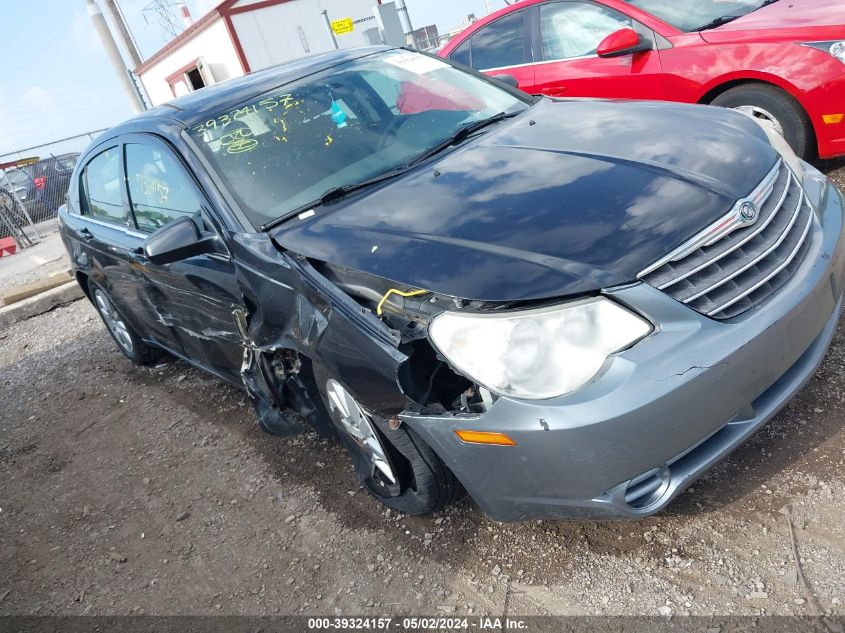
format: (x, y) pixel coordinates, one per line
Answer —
(138, 254)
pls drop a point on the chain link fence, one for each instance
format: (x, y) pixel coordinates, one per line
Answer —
(33, 185)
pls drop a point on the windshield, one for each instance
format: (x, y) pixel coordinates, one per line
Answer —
(284, 149)
(692, 15)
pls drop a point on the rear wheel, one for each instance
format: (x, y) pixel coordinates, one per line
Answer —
(772, 106)
(126, 338)
(394, 464)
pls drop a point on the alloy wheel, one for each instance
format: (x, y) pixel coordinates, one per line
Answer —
(358, 425)
(761, 115)
(113, 321)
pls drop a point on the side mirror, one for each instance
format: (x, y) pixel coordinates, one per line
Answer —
(177, 241)
(622, 42)
(510, 80)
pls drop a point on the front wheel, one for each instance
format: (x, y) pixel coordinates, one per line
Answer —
(772, 106)
(126, 338)
(394, 464)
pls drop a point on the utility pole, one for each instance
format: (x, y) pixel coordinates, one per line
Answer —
(129, 45)
(405, 19)
(123, 31)
(113, 54)
(330, 29)
(487, 4)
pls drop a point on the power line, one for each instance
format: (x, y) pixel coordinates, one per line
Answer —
(55, 86)
(54, 39)
(163, 11)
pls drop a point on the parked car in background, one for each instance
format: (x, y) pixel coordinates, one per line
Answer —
(41, 184)
(781, 61)
(572, 308)
(51, 177)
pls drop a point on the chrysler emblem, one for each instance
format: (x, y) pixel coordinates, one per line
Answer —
(748, 211)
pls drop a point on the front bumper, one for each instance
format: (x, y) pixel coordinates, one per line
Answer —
(663, 412)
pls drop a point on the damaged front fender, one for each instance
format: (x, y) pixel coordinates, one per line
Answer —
(291, 311)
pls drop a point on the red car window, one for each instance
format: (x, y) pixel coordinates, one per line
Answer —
(424, 94)
(575, 29)
(501, 43)
(689, 15)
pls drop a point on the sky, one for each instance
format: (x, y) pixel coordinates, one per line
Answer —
(55, 80)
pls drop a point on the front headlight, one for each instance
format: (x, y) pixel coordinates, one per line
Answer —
(835, 48)
(536, 354)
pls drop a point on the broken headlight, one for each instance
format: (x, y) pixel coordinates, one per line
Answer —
(539, 353)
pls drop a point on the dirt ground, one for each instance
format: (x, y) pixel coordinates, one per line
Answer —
(152, 491)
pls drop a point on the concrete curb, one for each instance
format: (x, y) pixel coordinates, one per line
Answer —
(39, 304)
(20, 293)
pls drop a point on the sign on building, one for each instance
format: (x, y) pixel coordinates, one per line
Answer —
(342, 27)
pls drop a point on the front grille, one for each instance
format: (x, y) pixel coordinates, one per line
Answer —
(748, 266)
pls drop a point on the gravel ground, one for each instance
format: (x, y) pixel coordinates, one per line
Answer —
(152, 491)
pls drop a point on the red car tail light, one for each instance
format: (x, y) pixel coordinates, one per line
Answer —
(40, 182)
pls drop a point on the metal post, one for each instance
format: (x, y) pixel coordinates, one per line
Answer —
(14, 228)
(113, 54)
(124, 33)
(329, 29)
(10, 188)
(25, 213)
(487, 4)
(405, 19)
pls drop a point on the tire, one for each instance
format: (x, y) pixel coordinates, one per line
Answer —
(423, 483)
(124, 335)
(763, 101)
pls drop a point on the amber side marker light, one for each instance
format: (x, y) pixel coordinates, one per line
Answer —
(833, 119)
(484, 437)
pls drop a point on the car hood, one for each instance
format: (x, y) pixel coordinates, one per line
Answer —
(787, 19)
(568, 198)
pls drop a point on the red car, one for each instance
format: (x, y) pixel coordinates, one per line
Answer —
(778, 60)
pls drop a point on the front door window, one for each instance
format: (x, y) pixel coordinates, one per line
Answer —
(570, 30)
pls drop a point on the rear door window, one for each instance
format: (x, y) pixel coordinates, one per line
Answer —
(461, 54)
(101, 178)
(160, 190)
(501, 44)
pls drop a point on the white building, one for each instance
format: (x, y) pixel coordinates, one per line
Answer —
(239, 36)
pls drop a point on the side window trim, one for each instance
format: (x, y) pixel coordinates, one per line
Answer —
(128, 230)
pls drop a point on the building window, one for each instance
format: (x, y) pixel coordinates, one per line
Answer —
(191, 77)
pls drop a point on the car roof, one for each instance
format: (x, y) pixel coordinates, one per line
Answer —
(196, 106)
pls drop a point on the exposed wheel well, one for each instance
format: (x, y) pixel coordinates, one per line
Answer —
(82, 280)
(722, 88)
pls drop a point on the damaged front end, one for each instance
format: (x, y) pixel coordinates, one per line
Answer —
(429, 383)
(361, 328)
(301, 314)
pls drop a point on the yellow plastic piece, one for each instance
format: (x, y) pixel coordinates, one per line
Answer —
(394, 291)
(484, 437)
